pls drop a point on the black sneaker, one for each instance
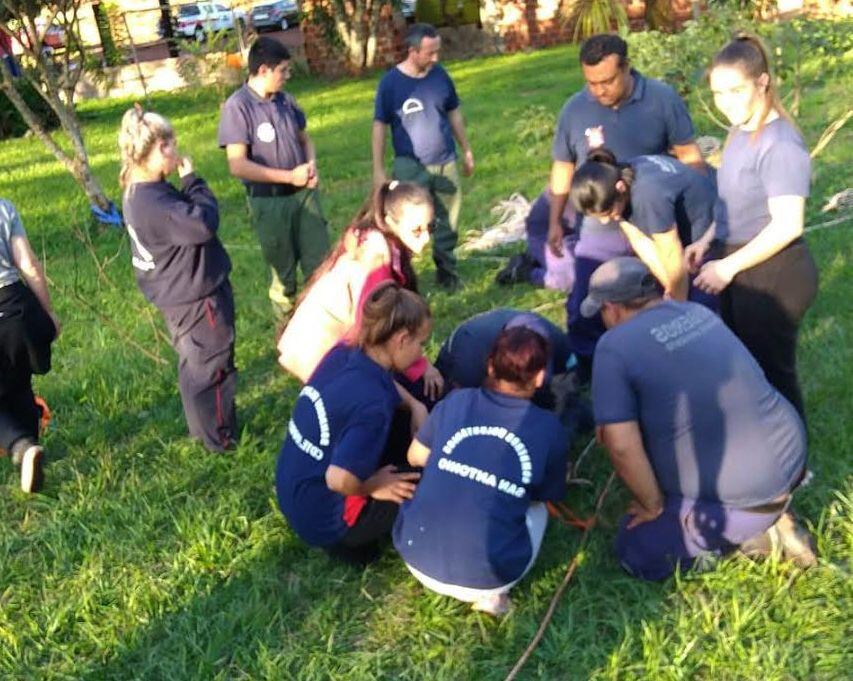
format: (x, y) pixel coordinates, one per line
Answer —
(448, 281)
(517, 270)
(32, 476)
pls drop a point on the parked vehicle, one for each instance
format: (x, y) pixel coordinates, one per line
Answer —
(199, 18)
(275, 15)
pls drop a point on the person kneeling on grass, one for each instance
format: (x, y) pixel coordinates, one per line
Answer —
(491, 458)
(337, 479)
(27, 328)
(710, 451)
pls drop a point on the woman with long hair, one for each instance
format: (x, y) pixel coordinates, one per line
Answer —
(763, 272)
(378, 246)
(337, 479)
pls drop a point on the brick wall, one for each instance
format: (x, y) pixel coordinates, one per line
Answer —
(507, 26)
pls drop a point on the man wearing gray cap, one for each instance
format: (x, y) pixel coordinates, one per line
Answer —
(709, 450)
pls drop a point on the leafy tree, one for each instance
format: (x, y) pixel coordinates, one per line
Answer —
(54, 75)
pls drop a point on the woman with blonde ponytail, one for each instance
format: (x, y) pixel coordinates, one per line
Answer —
(763, 270)
(182, 268)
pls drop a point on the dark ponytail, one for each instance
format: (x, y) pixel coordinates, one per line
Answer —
(594, 189)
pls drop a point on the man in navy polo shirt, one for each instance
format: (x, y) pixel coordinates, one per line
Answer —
(709, 450)
(632, 116)
(263, 132)
(418, 100)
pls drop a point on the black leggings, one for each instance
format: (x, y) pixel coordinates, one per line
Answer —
(764, 306)
(361, 544)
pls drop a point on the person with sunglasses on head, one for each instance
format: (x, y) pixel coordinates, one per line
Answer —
(340, 476)
(378, 246)
(264, 134)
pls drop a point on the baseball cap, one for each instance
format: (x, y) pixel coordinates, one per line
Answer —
(618, 281)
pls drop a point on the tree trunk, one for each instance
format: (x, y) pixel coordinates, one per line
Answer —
(78, 165)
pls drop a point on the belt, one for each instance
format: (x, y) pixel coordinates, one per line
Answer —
(268, 190)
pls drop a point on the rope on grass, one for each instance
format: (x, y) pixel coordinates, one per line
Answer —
(555, 599)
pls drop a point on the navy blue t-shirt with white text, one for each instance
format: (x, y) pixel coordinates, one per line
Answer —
(491, 455)
(341, 417)
(713, 427)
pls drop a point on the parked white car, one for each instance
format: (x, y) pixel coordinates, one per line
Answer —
(198, 18)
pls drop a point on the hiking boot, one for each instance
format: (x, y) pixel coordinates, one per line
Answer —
(786, 539)
(448, 281)
(517, 270)
(30, 460)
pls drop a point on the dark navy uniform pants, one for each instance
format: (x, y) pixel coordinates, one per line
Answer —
(203, 336)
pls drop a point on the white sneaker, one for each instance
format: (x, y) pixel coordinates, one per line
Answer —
(32, 476)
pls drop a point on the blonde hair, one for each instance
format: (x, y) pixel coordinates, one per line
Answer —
(389, 309)
(140, 131)
(747, 52)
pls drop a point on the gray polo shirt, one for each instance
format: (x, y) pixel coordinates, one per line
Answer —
(713, 427)
(268, 127)
(651, 121)
(10, 225)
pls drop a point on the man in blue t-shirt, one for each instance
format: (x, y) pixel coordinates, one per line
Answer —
(709, 450)
(631, 115)
(418, 100)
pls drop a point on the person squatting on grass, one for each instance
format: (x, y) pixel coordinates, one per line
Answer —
(491, 459)
(632, 116)
(660, 205)
(763, 271)
(418, 100)
(28, 326)
(337, 477)
(378, 246)
(264, 134)
(710, 451)
(182, 268)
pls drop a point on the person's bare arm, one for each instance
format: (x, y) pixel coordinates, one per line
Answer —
(31, 270)
(690, 155)
(241, 166)
(418, 454)
(787, 215)
(377, 148)
(624, 443)
(457, 126)
(385, 484)
(561, 182)
(663, 255)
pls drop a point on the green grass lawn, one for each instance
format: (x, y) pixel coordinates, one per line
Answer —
(145, 557)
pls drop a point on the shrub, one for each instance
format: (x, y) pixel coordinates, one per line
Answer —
(11, 123)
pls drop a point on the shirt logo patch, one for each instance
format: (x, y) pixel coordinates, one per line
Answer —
(412, 106)
(595, 137)
(265, 132)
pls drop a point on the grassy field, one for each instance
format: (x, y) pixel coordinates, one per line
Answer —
(147, 558)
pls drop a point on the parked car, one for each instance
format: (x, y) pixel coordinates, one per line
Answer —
(407, 8)
(198, 18)
(275, 15)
